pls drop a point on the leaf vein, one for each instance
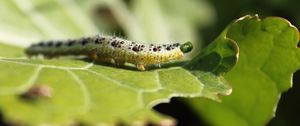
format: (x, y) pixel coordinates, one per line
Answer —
(22, 88)
(86, 94)
(111, 79)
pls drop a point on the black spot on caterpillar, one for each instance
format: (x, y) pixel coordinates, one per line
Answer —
(108, 49)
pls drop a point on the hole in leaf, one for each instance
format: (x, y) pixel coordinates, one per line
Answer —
(1, 120)
(4, 122)
(180, 111)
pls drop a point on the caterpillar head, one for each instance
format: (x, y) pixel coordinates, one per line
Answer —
(186, 47)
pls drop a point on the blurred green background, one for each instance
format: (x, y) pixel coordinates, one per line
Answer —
(199, 21)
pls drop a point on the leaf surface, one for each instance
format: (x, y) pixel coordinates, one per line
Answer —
(91, 93)
(68, 91)
(268, 58)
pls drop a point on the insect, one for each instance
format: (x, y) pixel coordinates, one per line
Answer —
(113, 50)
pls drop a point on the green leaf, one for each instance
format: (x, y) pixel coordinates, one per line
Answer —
(69, 91)
(216, 59)
(268, 58)
(82, 92)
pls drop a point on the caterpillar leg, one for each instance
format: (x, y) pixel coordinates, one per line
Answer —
(105, 59)
(119, 62)
(140, 67)
(93, 56)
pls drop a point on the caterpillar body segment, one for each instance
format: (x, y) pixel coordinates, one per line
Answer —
(112, 49)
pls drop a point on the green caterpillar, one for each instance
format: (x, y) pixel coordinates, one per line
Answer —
(112, 49)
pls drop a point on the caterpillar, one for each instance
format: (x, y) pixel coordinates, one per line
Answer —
(112, 49)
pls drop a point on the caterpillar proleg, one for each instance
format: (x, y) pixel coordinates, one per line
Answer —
(112, 49)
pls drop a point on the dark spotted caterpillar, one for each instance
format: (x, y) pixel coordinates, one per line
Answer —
(112, 49)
